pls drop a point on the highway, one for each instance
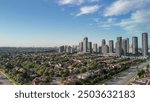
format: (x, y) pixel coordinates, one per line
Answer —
(126, 76)
(4, 80)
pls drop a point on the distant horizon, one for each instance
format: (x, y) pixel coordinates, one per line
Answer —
(77, 43)
(99, 43)
(50, 23)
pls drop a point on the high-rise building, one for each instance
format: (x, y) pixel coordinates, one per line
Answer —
(81, 46)
(128, 45)
(119, 46)
(61, 49)
(105, 49)
(103, 42)
(74, 48)
(145, 44)
(68, 49)
(95, 48)
(124, 47)
(135, 45)
(111, 46)
(85, 45)
(100, 50)
(90, 47)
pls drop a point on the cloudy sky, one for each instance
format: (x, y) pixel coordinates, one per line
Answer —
(56, 22)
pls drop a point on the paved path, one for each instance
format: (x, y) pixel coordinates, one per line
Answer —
(126, 76)
(4, 80)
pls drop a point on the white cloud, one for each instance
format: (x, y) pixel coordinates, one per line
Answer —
(88, 10)
(105, 23)
(125, 6)
(137, 10)
(96, 20)
(109, 23)
(83, 6)
(93, 0)
(139, 21)
(75, 2)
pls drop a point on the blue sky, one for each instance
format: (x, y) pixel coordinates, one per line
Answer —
(45, 23)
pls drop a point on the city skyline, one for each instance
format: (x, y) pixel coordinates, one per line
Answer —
(122, 47)
(49, 23)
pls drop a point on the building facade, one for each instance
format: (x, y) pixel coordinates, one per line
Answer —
(61, 49)
(145, 44)
(85, 45)
(105, 50)
(128, 46)
(124, 47)
(103, 42)
(81, 46)
(119, 46)
(90, 47)
(95, 48)
(135, 45)
(111, 46)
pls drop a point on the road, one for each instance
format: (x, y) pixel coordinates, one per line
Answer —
(4, 80)
(126, 76)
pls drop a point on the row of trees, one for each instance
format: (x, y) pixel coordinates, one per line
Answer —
(24, 67)
(100, 78)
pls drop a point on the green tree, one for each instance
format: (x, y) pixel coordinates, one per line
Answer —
(65, 73)
(148, 66)
(141, 73)
(82, 70)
